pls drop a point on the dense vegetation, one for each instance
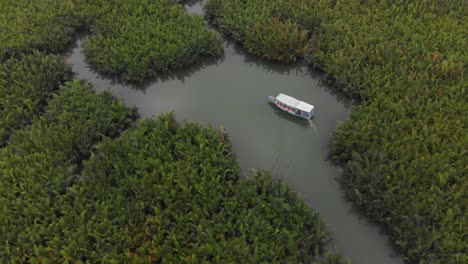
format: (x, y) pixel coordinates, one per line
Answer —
(25, 85)
(161, 193)
(255, 24)
(137, 40)
(133, 40)
(43, 160)
(172, 194)
(404, 148)
(47, 25)
(273, 38)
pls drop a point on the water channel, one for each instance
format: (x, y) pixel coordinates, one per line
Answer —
(232, 92)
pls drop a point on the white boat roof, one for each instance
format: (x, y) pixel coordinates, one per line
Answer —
(293, 102)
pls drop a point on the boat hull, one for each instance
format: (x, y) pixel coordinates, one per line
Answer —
(306, 116)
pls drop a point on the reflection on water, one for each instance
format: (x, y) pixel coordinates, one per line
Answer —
(233, 91)
(179, 75)
(261, 63)
(295, 68)
(290, 118)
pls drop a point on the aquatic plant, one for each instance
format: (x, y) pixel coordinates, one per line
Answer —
(137, 40)
(47, 25)
(26, 83)
(43, 160)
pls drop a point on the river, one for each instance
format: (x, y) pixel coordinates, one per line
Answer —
(232, 92)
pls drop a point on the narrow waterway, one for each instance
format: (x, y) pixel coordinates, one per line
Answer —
(232, 92)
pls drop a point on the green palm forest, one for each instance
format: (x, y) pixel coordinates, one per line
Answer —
(137, 40)
(45, 25)
(26, 83)
(82, 180)
(404, 149)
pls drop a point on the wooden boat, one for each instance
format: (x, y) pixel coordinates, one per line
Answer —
(293, 106)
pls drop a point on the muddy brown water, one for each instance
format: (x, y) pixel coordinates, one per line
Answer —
(232, 92)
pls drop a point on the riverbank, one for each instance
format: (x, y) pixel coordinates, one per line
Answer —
(403, 147)
(61, 182)
(262, 135)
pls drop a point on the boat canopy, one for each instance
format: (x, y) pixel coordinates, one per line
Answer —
(293, 102)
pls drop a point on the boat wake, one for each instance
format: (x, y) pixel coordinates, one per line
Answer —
(313, 126)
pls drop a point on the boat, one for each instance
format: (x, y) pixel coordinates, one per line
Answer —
(293, 106)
